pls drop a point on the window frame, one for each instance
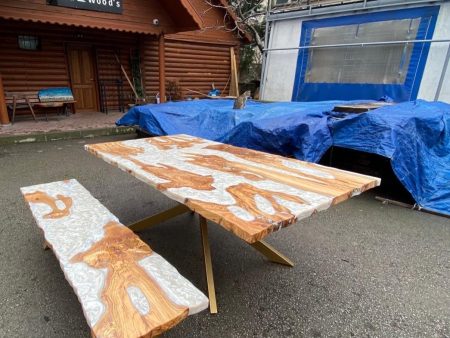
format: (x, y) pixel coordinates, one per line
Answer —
(304, 91)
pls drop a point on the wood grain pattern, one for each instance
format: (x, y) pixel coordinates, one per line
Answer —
(119, 252)
(248, 192)
(338, 184)
(42, 197)
(125, 289)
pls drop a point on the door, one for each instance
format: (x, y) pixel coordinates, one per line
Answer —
(82, 76)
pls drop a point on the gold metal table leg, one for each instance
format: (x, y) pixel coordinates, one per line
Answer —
(158, 218)
(271, 253)
(208, 265)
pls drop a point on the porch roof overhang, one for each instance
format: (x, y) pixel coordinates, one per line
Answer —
(173, 15)
(246, 36)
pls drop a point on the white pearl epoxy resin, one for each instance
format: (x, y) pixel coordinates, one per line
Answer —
(76, 228)
(177, 288)
(139, 300)
(264, 205)
(248, 192)
(241, 213)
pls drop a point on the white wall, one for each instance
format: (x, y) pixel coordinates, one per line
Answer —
(281, 65)
(436, 59)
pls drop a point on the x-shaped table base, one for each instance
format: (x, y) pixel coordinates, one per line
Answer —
(264, 248)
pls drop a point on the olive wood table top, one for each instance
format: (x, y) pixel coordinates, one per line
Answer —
(248, 192)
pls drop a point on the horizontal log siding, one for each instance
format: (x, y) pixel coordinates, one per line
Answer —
(198, 65)
(150, 68)
(33, 70)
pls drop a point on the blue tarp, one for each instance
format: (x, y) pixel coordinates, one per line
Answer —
(415, 136)
(287, 128)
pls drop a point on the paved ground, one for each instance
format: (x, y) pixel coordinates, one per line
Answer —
(362, 269)
(26, 125)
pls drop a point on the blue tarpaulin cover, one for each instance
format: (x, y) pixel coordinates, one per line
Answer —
(414, 135)
(286, 128)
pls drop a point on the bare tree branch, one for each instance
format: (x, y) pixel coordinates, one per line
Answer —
(247, 17)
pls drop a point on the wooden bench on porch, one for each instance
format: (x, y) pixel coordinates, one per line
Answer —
(31, 99)
(125, 289)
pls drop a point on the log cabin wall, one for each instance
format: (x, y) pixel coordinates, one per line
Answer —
(195, 58)
(25, 70)
(197, 65)
(137, 15)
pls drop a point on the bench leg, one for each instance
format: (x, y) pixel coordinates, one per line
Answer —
(31, 109)
(46, 245)
(271, 253)
(208, 265)
(14, 111)
(158, 218)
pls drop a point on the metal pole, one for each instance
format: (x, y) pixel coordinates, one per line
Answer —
(444, 71)
(264, 60)
(360, 44)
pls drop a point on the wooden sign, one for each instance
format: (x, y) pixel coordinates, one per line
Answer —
(110, 6)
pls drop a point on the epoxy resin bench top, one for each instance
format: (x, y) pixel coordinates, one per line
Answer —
(248, 192)
(125, 289)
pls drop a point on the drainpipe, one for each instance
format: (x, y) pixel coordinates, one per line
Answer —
(4, 119)
(162, 69)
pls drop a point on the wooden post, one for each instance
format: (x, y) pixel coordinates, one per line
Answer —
(234, 86)
(162, 69)
(4, 119)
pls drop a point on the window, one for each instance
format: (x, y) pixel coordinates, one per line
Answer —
(29, 42)
(354, 72)
(376, 64)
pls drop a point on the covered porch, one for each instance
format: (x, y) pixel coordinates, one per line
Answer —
(96, 55)
(60, 123)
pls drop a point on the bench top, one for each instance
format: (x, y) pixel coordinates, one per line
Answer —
(125, 289)
(46, 100)
(22, 94)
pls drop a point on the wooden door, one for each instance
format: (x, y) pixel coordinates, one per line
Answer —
(82, 76)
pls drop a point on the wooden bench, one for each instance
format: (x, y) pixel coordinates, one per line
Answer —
(125, 289)
(30, 100)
